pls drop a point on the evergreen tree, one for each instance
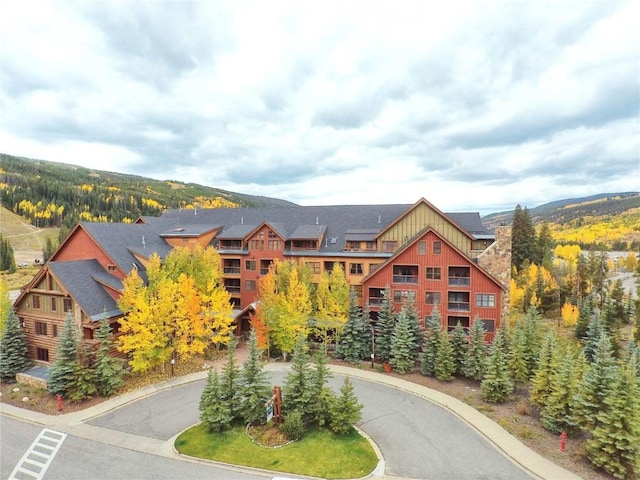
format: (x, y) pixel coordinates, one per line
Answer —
(496, 385)
(414, 322)
(83, 382)
(615, 442)
(595, 331)
(48, 249)
(459, 343)
(297, 384)
(255, 388)
(322, 397)
(595, 385)
(13, 349)
(5, 304)
(230, 381)
(445, 361)
(549, 362)
(63, 371)
(532, 332)
(215, 410)
(431, 343)
(544, 246)
(346, 409)
(7, 259)
(523, 238)
(385, 327)
(585, 314)
(108, 370)
(518, 368)
(353, 345)
(402, 345)
(557, 415)
(475, 361)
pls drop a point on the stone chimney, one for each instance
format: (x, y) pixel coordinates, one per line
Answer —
(496, 260)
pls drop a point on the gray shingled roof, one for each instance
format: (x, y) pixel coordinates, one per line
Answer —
(340, 221)
(308, 232)
(78, 277)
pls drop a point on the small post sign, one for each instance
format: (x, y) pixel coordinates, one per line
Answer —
(274, 405)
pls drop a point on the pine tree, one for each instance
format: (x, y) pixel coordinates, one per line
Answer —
(549, 362)
(523, 238)
(516, 359)
(594, 334)
(557, 415)
(497, 385)
(459, 343)
(585, 314)
(431, 344)
(353, 345)
(346, 409)
(385, 327)
(230, 380)
(532, 333)
(615, 442)
(7, 259)
(255, 388)
(595, 385)
(445, 362)
(5, 304)
(475, 361)
(402, 345)
(414, 323)
(215, 411)
(13, 349)
(297, 384)
(108, 370)
(63, 371)
(322, 397)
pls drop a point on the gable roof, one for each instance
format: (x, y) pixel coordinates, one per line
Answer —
(82, 279)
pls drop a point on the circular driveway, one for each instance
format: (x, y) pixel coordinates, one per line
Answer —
(417, 438)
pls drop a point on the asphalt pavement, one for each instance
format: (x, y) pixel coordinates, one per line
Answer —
(418, 432)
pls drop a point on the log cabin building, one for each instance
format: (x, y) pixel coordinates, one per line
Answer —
(417, 251)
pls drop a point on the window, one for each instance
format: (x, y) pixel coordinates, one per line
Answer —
(66, 304)
(250, 265)
(41, 328)
(389, 246)
(370, 246)
(256, 244)
(42, 354)
(54, 304)
(314, 266)
(437, 248)
(264, 266)
(460, 276)
(275, 245)
(355, 268)
(250, 285)
(434, 273)
(402, 295)
(373, 267)
(422, 248)
(432, 298)
(111, 268)
(55, 330)
(458, 301)
(357, 289)
(35, 301)
(485, 300)
(453, 320)
(272, 234)
(489, 325)
(405, 274)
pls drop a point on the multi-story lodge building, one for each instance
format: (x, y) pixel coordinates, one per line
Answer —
(416, 251)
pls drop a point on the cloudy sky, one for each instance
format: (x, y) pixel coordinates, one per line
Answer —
(472, 105)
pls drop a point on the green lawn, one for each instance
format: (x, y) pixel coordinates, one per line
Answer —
(319, 454)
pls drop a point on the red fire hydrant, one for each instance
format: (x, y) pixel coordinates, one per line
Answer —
(563, 441)
(59, 402)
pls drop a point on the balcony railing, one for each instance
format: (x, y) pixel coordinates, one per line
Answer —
(405, 279)
(463, 281)
(232, 289)
(232, 270)
(459, 306)
(376, 300)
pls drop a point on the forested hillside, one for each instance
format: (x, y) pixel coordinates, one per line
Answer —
(56, 194)
(610, 221)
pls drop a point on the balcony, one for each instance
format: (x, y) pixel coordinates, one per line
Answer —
(405, 274)
(376, 301)
(459, 276)
(458, 306)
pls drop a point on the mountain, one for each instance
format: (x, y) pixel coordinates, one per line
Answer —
(56, 194)
(562, 212)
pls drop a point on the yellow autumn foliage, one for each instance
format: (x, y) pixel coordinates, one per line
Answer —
(569, 315)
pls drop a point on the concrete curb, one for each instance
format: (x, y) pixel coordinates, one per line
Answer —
(531, 462)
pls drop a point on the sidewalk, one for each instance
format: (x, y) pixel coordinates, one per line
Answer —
(73, 423)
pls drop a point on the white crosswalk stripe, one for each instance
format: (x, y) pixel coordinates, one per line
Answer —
(36, 460)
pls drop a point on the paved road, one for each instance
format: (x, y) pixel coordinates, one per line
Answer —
(417, 438)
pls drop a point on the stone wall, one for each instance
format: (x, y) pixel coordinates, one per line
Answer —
(27, 379)
(497, 261)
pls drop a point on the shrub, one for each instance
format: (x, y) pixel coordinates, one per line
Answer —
(293, 426)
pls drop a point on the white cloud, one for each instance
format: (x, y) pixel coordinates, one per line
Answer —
(472, 105)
